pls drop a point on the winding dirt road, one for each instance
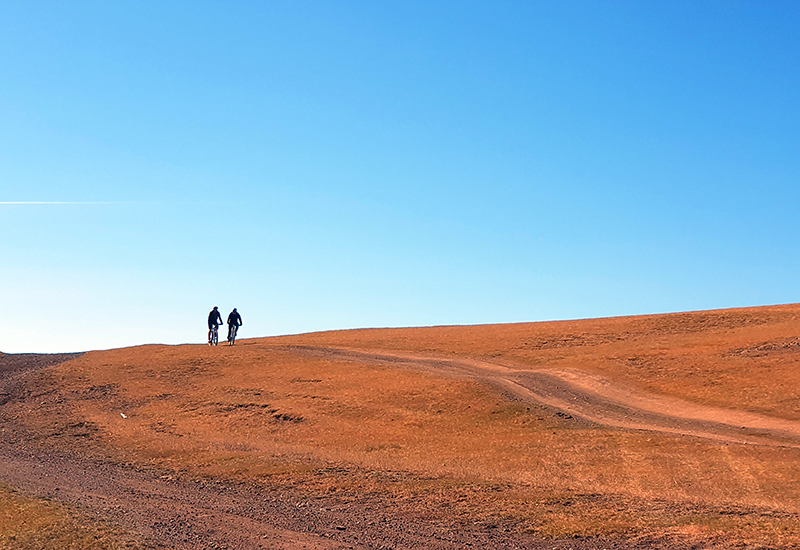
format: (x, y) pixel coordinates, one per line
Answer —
(191, 513)
(593, 398)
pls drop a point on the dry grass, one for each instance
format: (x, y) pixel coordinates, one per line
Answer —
(36, 524)
(739, 358)
(265, 412)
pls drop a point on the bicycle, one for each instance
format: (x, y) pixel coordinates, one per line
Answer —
(213, 335)
(233, 330)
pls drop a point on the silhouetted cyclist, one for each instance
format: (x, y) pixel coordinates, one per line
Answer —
(214, 321)
(234, 322)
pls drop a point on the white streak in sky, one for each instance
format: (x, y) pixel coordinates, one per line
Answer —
(54, 202)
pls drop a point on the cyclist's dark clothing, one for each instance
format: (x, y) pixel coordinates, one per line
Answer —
(214, 319)
(234, 322)
(235, 319)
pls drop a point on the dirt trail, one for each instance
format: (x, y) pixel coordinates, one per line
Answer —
(207, 514)
(593, 398)
(189, 513)
(204, 514)
(169, 513)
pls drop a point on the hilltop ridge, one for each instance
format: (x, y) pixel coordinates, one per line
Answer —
(667, 430)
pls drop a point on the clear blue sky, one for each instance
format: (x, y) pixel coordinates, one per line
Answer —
(325, 165)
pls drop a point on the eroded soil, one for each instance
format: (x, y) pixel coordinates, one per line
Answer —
(180, 509)
(173, 511)
(595, 399)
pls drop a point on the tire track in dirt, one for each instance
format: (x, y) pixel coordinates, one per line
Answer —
(173, 512)
(169, 513)
(590, 397)
(208, 514)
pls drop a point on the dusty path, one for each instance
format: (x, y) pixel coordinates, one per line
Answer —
(198, 514)
(593, 398)
(170, 514)
(203, 514)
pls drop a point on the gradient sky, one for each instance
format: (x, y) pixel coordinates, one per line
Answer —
(326, 165)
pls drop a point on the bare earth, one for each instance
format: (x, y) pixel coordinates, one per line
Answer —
(72, 458)
(596, 399)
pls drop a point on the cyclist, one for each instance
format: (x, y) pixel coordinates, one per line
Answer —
(214, 320)
(234, 322)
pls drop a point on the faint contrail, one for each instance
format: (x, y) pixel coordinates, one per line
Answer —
(58, 202)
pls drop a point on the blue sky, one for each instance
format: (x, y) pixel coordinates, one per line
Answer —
(325, 165)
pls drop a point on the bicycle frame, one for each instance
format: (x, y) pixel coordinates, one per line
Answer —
(213, 335)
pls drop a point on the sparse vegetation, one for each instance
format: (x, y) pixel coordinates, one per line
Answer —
(274, 411)
(37, 524)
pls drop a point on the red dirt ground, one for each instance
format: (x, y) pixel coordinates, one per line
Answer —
(664, 431)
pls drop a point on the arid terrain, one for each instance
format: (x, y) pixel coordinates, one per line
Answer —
(665, 431)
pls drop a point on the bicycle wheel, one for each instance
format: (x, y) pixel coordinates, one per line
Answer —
(234, 328)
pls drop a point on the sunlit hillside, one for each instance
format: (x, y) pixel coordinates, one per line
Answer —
(465, 424)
